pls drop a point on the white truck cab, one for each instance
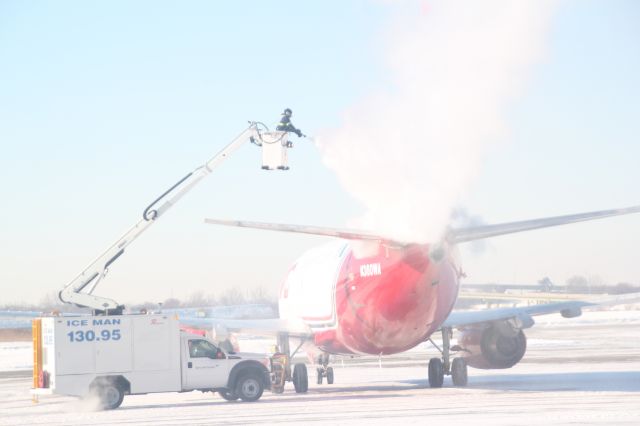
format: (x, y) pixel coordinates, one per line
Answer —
(113, 356)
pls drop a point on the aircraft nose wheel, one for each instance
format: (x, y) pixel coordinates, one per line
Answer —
(325, 372)
(438, 367)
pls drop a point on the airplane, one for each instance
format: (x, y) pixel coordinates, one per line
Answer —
(366, 294)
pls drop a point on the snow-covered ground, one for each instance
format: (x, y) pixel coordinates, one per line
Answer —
(15, 356)
(576, 371)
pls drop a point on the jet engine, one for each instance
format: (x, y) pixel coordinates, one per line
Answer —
(492, 346)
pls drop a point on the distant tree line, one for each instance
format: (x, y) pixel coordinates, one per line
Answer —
(233, 296)
(595, 284)
(230, 297)
(576, 284)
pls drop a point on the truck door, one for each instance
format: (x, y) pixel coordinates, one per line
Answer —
(206, 365)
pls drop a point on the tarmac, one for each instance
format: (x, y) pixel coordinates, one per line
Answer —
(578, 371)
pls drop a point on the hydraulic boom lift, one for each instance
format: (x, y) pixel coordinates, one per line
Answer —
(80, 290)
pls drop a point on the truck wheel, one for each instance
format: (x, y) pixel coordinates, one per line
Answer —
(228, 395)
(110, 396)
(300, 378)
(249, 387)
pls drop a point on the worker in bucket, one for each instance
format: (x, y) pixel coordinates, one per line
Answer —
(285, 124)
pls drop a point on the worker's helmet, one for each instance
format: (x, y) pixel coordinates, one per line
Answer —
(288, 111)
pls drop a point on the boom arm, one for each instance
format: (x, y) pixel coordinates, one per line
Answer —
(80, 290)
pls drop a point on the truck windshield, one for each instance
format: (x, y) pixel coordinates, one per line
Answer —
(202, 349)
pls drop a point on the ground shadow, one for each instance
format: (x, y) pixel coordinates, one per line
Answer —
(596, 381)
(308, 397)
(600, 381)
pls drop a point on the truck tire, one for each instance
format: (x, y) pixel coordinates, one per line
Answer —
(228, 395)
(249, 387)
(110, 395)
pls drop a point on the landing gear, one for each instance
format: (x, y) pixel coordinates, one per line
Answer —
(281, 370)
(324, 370)
(459, 372)
(438, 368)
(436, 373)
(300, 378)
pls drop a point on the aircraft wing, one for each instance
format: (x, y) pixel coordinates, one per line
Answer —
(22, 319)
(20, 314)
(347, 234)
(462, 235)
(459, 235)
(256, 319)
(568, 309)
(17, 319)
(263, 327)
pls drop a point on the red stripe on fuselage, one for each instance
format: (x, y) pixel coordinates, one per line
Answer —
(325, 318)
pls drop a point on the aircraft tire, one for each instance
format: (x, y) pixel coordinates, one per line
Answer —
(436, 373)
(300, 378)
(329, 375)
(319, 375)
(459, 372)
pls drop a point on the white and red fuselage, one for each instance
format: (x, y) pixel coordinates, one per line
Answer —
(384, 302)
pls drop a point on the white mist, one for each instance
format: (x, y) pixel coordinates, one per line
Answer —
(409, 152)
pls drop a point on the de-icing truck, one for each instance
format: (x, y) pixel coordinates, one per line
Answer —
(108, 357)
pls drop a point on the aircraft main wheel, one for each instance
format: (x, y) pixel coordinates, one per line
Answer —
(228, 395)
(300, 378)
(436, 373)
(459, 372)
(319, 374)
(330, 375)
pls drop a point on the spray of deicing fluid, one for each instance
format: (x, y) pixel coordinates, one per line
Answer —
(408, 152)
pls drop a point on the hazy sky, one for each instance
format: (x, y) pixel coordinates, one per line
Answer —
(103, 105)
